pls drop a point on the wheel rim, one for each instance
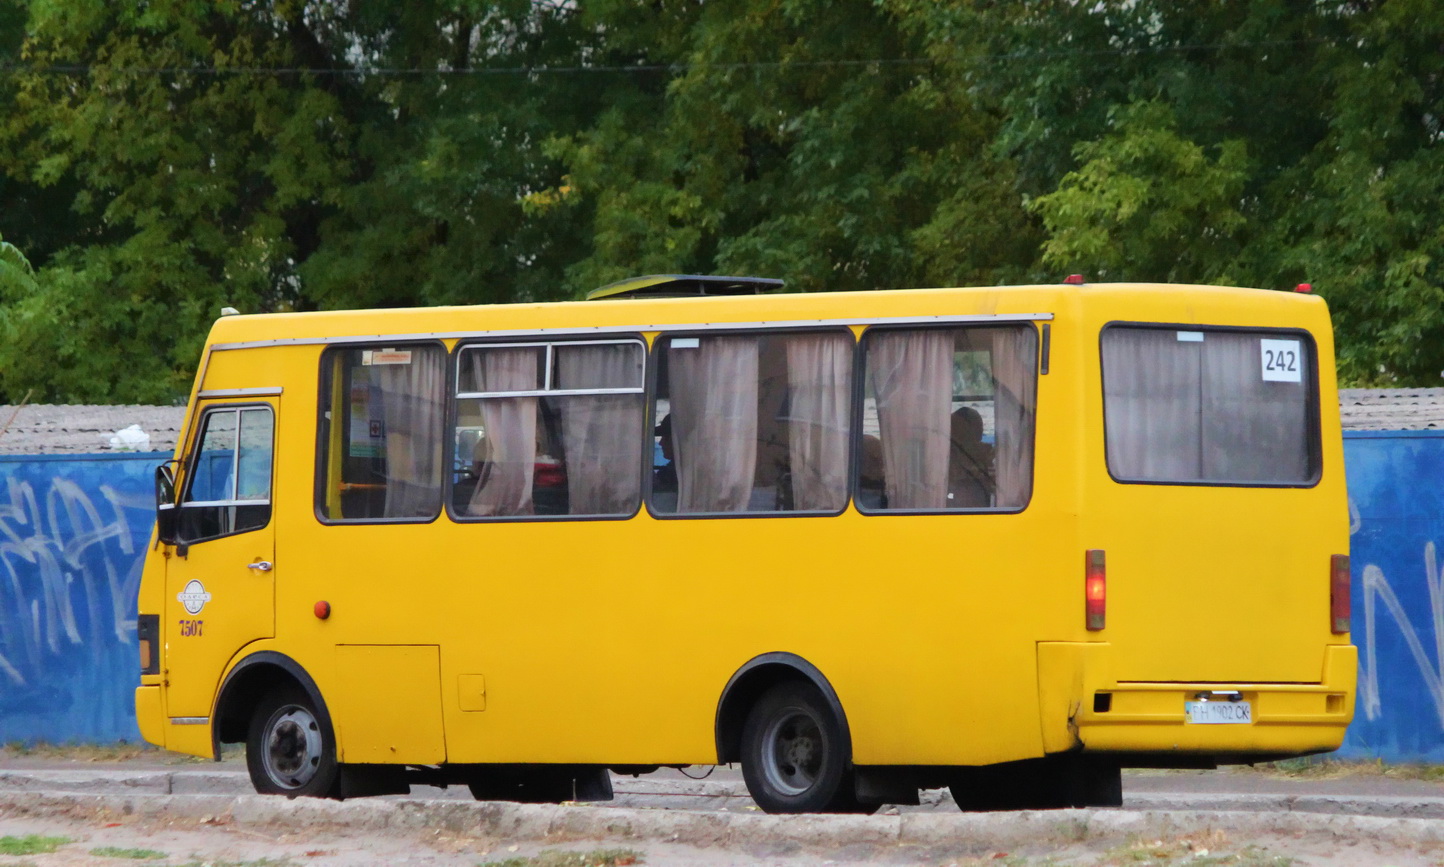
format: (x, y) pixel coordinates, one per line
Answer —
(292, 750)
(792, 752)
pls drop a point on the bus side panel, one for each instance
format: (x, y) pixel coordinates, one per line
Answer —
(591, 653)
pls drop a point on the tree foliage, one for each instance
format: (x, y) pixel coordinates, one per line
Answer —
(162, 160)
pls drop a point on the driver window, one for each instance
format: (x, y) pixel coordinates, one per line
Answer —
(229, 486)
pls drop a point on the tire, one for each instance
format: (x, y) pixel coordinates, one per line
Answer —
(793, 756)
(290, 749)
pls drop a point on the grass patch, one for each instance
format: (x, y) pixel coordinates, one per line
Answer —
(77, 752)
(1317, 768)
(136, 854)
(559, 858)
(120, 752)
(1202, 849)
(31, 844)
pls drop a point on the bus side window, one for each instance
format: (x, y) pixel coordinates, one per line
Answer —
(229, 486)
(549, 429)
(948, 418)
(381, 433)
(753, 423)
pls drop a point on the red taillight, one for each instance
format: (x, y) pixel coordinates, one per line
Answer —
(1339, 608)
(1095, 589)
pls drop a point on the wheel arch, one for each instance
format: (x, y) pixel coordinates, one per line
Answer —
(247, 682)
(755, 677)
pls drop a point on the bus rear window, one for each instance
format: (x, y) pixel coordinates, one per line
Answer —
(1210, 406)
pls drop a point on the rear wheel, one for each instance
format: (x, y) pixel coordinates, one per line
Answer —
(289, 749)
(793, 757)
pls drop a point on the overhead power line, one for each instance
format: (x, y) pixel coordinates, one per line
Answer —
(398, 72)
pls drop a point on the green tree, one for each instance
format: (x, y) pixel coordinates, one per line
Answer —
(810, 140)
(251, 155)
(165, 159)
(1368, 220)
(16, 274)
(1147, 204)
(205, 184)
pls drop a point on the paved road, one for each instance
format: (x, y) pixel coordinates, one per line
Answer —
(202, 812)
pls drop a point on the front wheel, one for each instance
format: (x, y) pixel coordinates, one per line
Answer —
(793, 757)
(289, 749)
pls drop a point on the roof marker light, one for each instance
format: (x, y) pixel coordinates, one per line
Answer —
(1074, 280)
(1304, 287)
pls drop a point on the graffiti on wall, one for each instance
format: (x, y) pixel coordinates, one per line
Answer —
(72, 532)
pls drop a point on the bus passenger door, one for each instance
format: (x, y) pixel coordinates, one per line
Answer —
(220, 590)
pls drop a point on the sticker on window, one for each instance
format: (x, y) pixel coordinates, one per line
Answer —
(1281, 360)
(1190, 337)
(386, 356)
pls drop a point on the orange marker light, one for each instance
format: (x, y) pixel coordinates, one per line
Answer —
(1095, 589)
(323, 610)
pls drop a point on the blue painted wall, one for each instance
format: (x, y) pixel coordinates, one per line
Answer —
(1396, 521)
(73, 530)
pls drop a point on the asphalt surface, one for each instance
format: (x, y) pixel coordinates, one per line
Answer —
(207, 810)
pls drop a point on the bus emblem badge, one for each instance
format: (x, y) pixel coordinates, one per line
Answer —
(194, 597)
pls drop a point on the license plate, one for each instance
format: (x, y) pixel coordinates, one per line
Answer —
(1219, 712)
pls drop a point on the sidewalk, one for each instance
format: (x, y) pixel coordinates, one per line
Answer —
(725, 792)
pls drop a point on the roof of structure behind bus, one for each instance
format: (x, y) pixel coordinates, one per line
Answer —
(45, 430)
(42, 430)
(1392, 408)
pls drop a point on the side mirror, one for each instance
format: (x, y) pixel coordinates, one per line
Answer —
(166, 516)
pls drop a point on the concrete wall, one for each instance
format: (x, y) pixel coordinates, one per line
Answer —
(73, 530)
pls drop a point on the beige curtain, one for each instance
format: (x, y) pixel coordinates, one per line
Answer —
(1014, 409)
(602, 433)
(412, 397)
(1151, 387)
(508, 459)
(1252, 430)
(912, 377)
(714, 422)
(819, 382)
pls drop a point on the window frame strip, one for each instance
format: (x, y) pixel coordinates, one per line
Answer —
(575, 330)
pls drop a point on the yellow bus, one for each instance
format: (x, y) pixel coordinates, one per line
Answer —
(1004, 540)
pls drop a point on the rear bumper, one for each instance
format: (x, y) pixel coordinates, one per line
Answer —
(1149, 718)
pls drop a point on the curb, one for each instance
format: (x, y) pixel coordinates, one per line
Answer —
(560, 823)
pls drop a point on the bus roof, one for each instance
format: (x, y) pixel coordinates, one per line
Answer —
(1175, 303)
